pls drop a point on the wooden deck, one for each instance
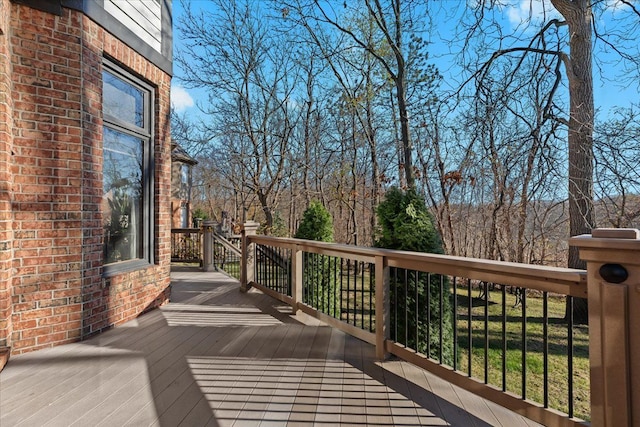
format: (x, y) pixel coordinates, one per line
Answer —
(217, 357)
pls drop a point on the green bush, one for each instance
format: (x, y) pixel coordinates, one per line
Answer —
(405, 223)
(316, 224)
(320, 284)
(198, 215)
(279, 228)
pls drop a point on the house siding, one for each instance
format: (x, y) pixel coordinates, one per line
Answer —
(144, 18)
(6, 140)
(53, 149)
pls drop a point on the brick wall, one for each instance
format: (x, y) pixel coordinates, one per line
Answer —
(58, 293)
(6, 139)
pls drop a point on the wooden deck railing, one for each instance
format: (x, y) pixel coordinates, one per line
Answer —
(495, 328)
(186, 245)
(226, 254)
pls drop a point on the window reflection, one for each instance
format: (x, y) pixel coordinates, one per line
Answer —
(123, 100)
(127, 202)
(123, 196)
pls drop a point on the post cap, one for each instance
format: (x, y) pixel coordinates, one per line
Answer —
(615, 233)
(609, 246)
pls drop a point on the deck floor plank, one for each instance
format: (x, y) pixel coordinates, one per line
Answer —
(217, 357)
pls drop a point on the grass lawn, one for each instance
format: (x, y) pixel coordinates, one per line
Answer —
(557, 345)
(231, 268)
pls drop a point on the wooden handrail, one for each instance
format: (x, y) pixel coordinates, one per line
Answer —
(185, 230)
(558, 280)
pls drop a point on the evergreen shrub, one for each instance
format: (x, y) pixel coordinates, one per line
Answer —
(320, 287)
(421, 303)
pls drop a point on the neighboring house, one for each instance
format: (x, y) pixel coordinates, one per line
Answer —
(181, 166)
(85, 166)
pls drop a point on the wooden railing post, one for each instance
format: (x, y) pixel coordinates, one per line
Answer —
(613, 280)
(296, 278)
(207, 246)
(383, 318)
(247, 272)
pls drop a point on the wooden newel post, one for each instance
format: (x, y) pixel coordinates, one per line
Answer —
(207, 246)
(613, 281)
(247, 272)
(383, 313)
(296, 278)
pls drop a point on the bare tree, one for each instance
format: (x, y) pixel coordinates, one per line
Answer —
(564, 43)
(393, 23)
(249, 71)
(617, 183)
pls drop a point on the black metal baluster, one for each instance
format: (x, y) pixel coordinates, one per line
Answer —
(269, 267)
(277, 283)
(469, 337)
(266, 266)
(570, 356)
(348, 289)
(334, 290)
(258, 265)
(326, 267)
(395, 317)
(455, 323)
(340, 296)
(545, 344)
(524, 343)
(320, 276)
(406, 307)
(332, 287)
(362, 296)
(281, 272)
(355, 293)
(324, 264)
(428, 302)
(313, 279)
(289, 271)
(504, 338)
(417, 303)
(372, 285)
(316, 276)
(441, 331)
(273, 284)
(486, 333)
(308, 268)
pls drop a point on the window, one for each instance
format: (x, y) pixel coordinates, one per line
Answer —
(127, 202)
(184, 218)
(184, 181)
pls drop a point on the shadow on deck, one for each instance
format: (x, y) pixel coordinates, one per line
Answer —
(217, 357)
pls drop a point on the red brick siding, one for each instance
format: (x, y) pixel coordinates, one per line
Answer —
(58, 292)
(6, 141)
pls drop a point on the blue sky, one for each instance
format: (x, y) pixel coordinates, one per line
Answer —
(607, 94)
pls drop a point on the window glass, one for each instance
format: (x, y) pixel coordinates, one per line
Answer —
(123, 196)
(122, 100)
(184, 219)
(185, 174)
(127, 170)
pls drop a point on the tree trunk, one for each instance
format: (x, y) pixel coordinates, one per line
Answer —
(577, 13)
(268, 215)
(404, 127)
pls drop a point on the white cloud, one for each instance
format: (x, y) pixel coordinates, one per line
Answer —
(180, 98)
(534, 11)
